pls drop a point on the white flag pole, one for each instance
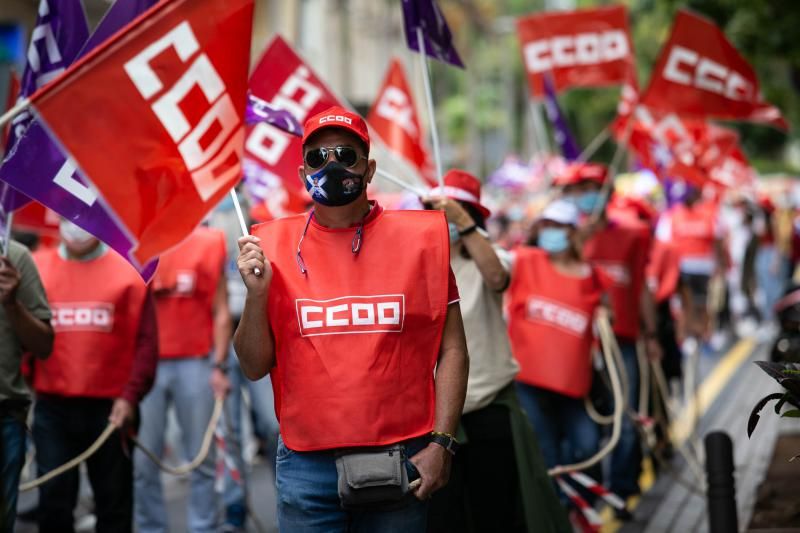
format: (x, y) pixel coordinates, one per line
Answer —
(20, 106)
(397, 181)
(7, 234)
(423, 62)
(238, 208)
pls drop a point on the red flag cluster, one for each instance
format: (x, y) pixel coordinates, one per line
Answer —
(699, 76)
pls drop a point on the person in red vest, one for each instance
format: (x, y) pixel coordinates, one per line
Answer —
(552, 301)
(103, 363)
(353, 309)
(194, 325)
(693, 227)
(621, 250)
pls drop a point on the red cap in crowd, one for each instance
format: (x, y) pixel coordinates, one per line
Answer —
(576, 172)
(462, 186)
(337, 117)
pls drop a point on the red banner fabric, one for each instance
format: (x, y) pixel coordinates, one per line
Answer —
(699, 73)
(273, 156)
(393, 117)
(582, 48)
(154, 117)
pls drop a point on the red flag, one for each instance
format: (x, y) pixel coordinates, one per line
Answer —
(696, 151)
(273, 156)
(582, 48)
(700, 73)
(154, 117)
(393, 118)
(11, 98)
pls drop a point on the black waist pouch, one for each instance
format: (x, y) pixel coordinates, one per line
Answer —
(372, 477)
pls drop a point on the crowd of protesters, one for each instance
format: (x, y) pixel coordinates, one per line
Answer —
(428, 366)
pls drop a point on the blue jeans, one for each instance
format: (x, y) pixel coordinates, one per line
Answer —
(12, 458)
(771, 276)
(566, 433)
(308, 499)
(626, 459)
(266, 426)
(184, 383)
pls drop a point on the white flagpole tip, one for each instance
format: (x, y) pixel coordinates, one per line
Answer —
(242, 224)
(20, 106)
(397, 181)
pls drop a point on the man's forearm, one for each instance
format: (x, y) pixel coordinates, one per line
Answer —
(35, 335)
(480, 249)
(451, 373)
(252, 340)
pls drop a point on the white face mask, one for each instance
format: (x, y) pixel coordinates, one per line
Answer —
(74, 234)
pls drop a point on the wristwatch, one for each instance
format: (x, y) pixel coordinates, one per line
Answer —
(222, 367)
(466, 231)
(446, 441)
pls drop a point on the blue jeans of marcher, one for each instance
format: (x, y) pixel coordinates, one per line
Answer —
(12, 458)
(626, 459)
(308, 499)
(234, 495)
(566, 433)
(184, 383)
(771, 276)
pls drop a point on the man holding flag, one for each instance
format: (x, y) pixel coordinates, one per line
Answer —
(350, 326)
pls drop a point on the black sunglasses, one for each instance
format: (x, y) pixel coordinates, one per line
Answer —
(345, 155)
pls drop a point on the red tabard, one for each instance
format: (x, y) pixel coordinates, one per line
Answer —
(693, 230)
(663, 270)
(550, 323)
(357, 338)
(621, 251)
(184, 285)
(97, 306)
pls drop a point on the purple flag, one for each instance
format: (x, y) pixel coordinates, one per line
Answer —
(259, 110)
(60, 32)
(438, 41)
(561, 131)
(37, 167)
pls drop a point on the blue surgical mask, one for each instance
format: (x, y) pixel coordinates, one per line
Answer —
(587, 202)
(553, 240)
(455, 236)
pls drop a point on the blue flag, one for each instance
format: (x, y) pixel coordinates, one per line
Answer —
(436, 36)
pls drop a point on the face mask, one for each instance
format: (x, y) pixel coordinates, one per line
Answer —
(333, 185)
(553, 240)
(587, 202)
(454, 235)
(74, 234)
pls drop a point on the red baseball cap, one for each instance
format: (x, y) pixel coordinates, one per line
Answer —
(462, 186)
(578, 172)
(337, 117)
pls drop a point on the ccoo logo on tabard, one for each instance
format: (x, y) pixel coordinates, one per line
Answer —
(384, 313)
(556, 314)
(83, 316)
